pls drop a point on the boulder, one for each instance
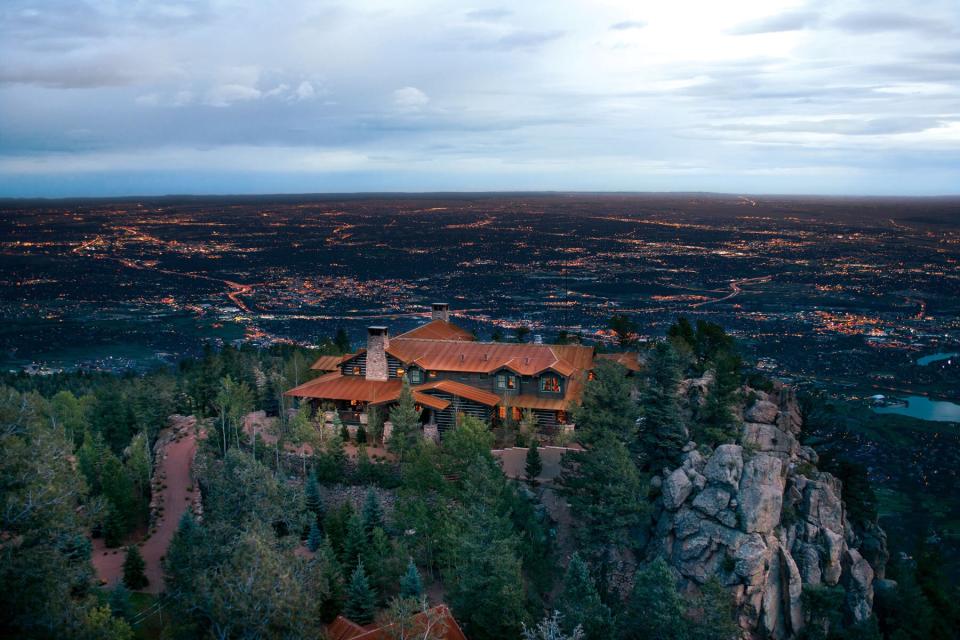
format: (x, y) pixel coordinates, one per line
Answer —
(761, 494)
(762, 411)
(712, 500)
(769, 439)
(676, 488)
(725, 466)
(858, 582)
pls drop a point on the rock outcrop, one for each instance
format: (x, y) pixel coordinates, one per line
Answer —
(761, 518)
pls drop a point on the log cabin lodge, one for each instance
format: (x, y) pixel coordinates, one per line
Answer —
(450, 372)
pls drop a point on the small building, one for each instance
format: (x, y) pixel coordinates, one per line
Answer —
(437, 622)
(450, 372)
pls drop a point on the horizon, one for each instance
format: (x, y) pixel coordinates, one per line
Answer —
(231, 97)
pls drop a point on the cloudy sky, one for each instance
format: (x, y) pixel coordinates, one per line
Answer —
(106, 97)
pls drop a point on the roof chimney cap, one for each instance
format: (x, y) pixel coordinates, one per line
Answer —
(440, 311)
(376, 329)
(440, 305)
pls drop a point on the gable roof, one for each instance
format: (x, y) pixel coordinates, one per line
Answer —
(438, 330)
(329, 363)
(335, 386)
(486, 357)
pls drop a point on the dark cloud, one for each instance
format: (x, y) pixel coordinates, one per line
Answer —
(878, 21)
(789, 21)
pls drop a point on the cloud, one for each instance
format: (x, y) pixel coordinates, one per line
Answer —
(788, 21)
(225, 95)
(410, 98)
(488, 15)
(626, 25)
(527, 39)
(879, 21)
(304, 91)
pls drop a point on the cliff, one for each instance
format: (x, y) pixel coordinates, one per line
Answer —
(765, 521)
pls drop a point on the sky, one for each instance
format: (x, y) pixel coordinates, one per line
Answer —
(144, 97)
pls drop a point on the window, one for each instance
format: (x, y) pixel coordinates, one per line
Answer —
(400, 372)
(414, 376)
(550, 384)
(511, 382)
(591, 375)
(356, 369)
(502, 412)
(506, 381)
(432, 374)
(562, 417)
(517, 414)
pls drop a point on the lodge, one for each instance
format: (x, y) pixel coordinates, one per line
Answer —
(450, 373)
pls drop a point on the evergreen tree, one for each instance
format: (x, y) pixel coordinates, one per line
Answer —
(580, 604)
(361, 435)
(405, 418)
(331, 600)
(360, 605)
(355, 541)
(662, 434)
(626, 330)
(715, 619)
(372, 513)
(342, 341)
(332, 461)
(411, 586)
(311, 499)
(314, 538)
(119, 601)
(534, 465)
(716, 423)
(552, 628)
(682, 331)
(380, 563)
(340, 427)
(655, 610)
(607, 498)
(133, 569)
(606, 406)
(114, 527)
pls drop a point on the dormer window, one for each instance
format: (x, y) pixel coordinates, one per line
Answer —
(550, 384)
(414, 376)
(506, 381)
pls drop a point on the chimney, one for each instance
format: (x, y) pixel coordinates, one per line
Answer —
(377, 342)
(441, 311)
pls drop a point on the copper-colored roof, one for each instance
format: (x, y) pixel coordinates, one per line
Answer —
(487, 357)
(531, 401)
(334, 386)
(629, 359)
(329, 363)
(438, 330)
(462, 390)
(443, 624)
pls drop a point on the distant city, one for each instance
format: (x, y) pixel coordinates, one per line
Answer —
(843, 293)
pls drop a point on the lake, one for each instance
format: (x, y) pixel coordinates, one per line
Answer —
(935, 357)
(926, 409)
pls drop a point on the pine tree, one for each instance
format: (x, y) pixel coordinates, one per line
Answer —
(655, 609)
(372, 513)
(534, 464)
(311, 498)
(331, 604)
(663, 434)
(119, 601)
(341, 340)
(314, 538)
(411, 586)
(114, 527)
(716, 613)
(607, 406)
(405, 418)
(360, 605)
(361, 435)
(580, 604)
(340, 427)
(355, 541)
(133, 569)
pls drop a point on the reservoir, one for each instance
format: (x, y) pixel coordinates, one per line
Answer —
(935, 357)
(926, 409)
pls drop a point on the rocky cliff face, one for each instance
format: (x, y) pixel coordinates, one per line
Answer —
(761, 518)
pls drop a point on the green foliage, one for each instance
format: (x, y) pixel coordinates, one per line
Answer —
(372, 513)
(405, 419)
(314, 538)
(133, 569)
(716, 423)
(120, 604)
(360, 604)
(100, 624)
(534, 465)
(375, 423)
(469, 441)
(355, 541)
(580, 603)
(342, 340)
(605, 518)
(607, 406)
(411, 585)
(361, 435)
(714, 613)
(335, 525)
(331, 463)
(552, 628)
(311, 499)
(382, 563)
(626, 330)
(662, 434)
(655, 610)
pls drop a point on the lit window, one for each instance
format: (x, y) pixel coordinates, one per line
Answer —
(562, 417)
(400, 372)
(433, 374)
(550, 384)
(516, 414)
(502, 411)
(591, 375)
(511, 382)
(356, 369)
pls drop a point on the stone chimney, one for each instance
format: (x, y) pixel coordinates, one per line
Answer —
(441, 311)
(377, 342)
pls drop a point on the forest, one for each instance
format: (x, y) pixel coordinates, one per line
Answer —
(285, 545)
